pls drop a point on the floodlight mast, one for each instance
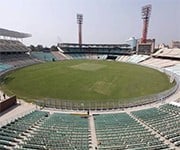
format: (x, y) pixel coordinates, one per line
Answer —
(146, 12)
(79, 22)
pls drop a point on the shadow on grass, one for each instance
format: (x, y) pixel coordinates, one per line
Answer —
(6, 80)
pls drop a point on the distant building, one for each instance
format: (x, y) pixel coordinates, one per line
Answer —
(132, 41)
(145, 48)
(162, 45)
(175, 44)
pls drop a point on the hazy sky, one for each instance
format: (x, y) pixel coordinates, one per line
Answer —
(105, 21)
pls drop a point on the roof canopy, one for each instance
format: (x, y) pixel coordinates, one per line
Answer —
(14, 34)
(74, 45)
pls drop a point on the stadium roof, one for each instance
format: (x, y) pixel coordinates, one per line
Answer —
(14, 34)
(75, 45)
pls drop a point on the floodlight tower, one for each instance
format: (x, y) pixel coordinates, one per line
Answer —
(79, 22)
(146, 12)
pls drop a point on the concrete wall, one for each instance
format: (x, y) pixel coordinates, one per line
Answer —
(5, 104)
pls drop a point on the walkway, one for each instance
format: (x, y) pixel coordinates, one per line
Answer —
(93, 133)
(16, 111)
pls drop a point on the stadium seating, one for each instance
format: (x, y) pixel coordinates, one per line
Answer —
(60, 131)
(138, 58)
(132, 58)
(44, 56)
(13, 61)
(40, 130)
(158, 62)
(59, 56)
(170, 53)
(4, 67)
(13, 133)
(174, 69)
(123, 58)
(43, 130)
(74, 56)
(13, 55)
(120, 131)
(170, 108)
(87, 56)
(12, 46)
(102, 57)
(165, 120)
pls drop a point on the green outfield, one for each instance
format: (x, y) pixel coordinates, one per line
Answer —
(88, 80)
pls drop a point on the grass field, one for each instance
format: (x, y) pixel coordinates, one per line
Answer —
(85, 80)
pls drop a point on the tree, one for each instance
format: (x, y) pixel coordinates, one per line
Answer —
(39, 48)
(32, 47)
(53, 48)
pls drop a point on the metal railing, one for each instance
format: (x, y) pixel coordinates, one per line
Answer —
(107, 105)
